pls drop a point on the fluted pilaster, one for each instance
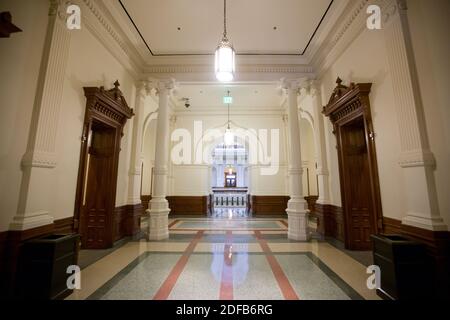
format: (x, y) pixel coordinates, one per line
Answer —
(416, 159)
(40, 157)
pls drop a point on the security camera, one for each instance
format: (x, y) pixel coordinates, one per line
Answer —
(187, 104)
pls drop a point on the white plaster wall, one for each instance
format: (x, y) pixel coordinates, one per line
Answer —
(149, 156)
(430, 24)
(365, 61)
(308, 157)
(194, 180)
(20, 58)
(89, 64)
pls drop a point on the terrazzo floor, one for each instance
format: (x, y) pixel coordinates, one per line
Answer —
(227, 259)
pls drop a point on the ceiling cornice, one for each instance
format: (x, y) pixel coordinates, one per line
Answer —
(351, 23)
(106, 21)
(103, 26)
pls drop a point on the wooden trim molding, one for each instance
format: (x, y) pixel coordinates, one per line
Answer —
(268, 205)
(189, 205)
(64, 225)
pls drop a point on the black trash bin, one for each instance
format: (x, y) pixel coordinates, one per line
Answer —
(404, 265)
(42, 272)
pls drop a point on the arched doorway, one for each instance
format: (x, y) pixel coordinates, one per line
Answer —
(229, 180)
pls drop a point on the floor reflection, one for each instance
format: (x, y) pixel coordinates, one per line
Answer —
(230, 213)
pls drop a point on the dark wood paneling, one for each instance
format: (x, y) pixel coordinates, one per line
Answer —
(127, 220)
(268, 205)
(392, 226)
(64, 225)
(437, 244)
(145, 199)
(311, 200)
(188, 205)
(330, 221)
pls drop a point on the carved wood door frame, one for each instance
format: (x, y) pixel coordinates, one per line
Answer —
(346, 105)
(108, 108)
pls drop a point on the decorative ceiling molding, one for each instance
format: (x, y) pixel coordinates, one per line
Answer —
(106, 22)
(347, 28)
(102, 25)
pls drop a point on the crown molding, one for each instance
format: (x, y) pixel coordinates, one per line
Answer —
(349, 26)
(100, 23)
(108, 23)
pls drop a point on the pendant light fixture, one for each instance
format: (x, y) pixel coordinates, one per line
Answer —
(228, 138)
(224, 65)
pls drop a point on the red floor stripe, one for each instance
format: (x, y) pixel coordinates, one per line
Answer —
(165, 289)
(226, 286)
(283, 282)
(284, 222)
(173, 223)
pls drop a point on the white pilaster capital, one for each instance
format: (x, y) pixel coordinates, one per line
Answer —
(314, 88)
(56, 9)
(392, 8)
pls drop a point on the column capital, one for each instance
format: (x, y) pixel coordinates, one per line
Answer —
(166, 85)
(314, 87)
(294, 84)
(144, 88)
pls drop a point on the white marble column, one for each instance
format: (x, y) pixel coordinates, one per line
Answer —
(159, 207)
(38, 163)
(319, 135)
(134, 186)
(297, 207)
(416, 158)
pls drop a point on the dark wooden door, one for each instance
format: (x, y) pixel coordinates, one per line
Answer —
(357, 194)
(98, 209)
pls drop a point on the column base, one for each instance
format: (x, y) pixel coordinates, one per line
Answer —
(433, 224)
(298, 220)
(158, 225)
(30, 221)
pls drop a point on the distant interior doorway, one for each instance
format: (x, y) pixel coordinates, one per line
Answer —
(229, 181)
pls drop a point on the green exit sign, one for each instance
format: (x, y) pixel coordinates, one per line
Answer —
(227, 100)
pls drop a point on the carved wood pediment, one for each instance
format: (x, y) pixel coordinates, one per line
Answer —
(6, 25)
(110, 103)
(345, 100)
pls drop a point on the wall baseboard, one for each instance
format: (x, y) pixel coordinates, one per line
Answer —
(330, 220)
(127, 220)
(437, 244)
(189, 205)
(268, 205)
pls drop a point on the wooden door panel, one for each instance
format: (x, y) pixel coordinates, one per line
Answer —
(98, 188)
(357, 197)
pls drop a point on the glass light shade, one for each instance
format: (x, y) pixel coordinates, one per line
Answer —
(228, 138)
(224, 66)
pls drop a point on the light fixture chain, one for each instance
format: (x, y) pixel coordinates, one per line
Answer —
(224, 18)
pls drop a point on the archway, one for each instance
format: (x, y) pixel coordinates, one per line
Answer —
(229, 180)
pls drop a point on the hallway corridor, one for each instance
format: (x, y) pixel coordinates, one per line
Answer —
(240, 259)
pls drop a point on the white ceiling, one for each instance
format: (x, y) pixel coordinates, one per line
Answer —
(245, 96)
(250, 24)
